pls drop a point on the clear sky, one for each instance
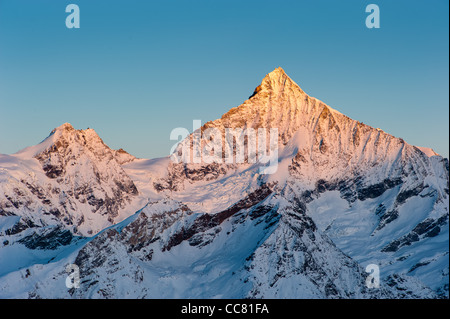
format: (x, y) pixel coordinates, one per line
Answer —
(135, 70)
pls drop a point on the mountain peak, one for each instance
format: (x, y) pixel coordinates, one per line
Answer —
(63, 127)
(276, 81)
(277, 72)
(66, 134)
(65, 139)
(66, 126)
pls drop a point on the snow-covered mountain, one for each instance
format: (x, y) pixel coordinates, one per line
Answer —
(71, 180)
(344, 195)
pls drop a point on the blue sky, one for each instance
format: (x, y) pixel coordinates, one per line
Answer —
(137, 69)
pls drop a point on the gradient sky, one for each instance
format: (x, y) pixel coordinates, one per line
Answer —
(135, 70)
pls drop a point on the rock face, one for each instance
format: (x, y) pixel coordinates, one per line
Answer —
(344, 195)
(72, 179)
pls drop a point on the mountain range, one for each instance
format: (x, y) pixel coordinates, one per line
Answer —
(344, 195)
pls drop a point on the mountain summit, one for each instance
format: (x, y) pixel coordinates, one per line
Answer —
(73, 178)
(278, 81)
(278, 102)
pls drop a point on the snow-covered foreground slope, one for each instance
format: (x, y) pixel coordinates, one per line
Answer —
(344, 195)
(264, 248)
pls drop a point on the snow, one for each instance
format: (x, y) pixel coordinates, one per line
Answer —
(90, 169)
(352, 229)
(244, 256)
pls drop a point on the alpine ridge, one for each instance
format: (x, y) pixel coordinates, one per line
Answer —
(344, 195)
